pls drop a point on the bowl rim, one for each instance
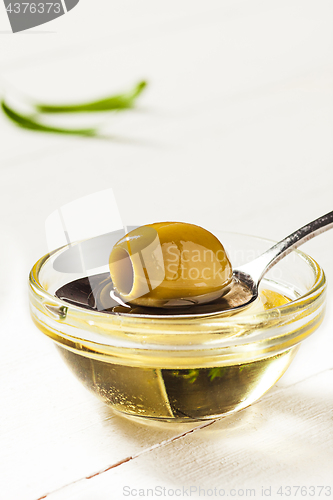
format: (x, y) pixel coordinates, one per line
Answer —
(209, 322)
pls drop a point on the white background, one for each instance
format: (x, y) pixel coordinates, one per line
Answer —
(234, 132)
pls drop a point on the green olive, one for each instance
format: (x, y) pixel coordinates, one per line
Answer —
(169, 264)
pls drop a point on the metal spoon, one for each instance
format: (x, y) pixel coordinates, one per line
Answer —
(242, 293)
(252, 273)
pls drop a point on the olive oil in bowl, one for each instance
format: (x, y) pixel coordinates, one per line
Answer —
(180, 394)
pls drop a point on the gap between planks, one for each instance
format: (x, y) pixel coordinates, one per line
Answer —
(127, 459)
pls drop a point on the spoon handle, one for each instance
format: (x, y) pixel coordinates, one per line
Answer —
(259, 266)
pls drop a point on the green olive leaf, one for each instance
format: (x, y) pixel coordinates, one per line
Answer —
(116, 102)
(191, 375)
(216, 372)
(27, 122)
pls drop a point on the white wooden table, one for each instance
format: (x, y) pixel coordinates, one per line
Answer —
(234, 130)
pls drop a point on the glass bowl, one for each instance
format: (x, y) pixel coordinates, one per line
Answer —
(183, 368)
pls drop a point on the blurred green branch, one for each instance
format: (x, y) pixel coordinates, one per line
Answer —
(32, 122)
(117, 102)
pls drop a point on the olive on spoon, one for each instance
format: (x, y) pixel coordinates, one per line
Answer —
(169, 264)
(140, 261)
